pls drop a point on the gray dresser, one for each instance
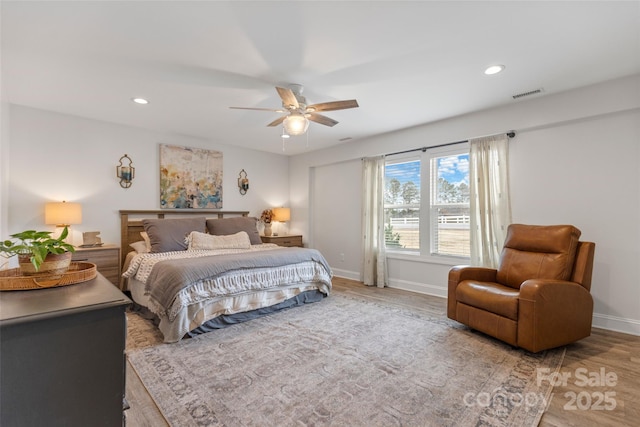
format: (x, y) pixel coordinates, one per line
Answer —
(62, 359)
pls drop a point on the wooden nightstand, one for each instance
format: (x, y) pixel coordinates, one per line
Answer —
(106, 258)
(286, 240)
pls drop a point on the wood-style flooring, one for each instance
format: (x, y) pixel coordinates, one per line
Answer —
(598, 383)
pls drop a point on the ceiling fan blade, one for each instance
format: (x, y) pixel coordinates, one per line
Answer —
(334, 105)
(277, 121)
(288, 97)
(258, 109)
(323, 120)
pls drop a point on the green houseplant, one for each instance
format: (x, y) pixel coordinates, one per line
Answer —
(38, 252)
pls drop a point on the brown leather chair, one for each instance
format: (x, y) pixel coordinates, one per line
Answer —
(538, 298)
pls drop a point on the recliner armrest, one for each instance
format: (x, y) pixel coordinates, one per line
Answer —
(535, 289)
(466, 272)
(459, 273)
(552, 313)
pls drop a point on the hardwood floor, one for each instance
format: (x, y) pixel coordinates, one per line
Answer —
(602, 372)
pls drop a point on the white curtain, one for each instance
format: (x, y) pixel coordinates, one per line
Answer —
(489, 198)
(373, 249)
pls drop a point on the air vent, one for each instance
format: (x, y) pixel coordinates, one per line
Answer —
(531, 92)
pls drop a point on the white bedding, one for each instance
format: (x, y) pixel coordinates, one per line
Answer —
(229, 293)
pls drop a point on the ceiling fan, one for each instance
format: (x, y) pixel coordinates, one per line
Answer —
(296, 121)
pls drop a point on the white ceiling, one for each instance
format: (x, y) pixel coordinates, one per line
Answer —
(406, 63)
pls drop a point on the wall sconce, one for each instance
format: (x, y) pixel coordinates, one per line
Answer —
(125, 172)
(243, 182)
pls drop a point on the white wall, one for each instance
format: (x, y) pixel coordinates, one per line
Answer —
(335, 204)
(575, 159)
(4, 156)
(4, 170)
(588, 174)
(57, 157)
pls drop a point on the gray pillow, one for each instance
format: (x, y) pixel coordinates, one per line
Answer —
(169, 234)
(227, 226)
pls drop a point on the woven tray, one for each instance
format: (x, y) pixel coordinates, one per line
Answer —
(11, 280)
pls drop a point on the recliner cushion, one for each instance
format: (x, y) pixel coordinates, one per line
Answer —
(537, 252)
(488, 296)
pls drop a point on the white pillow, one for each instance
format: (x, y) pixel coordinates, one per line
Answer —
(197, 240)
(146, 239)
(140, 247)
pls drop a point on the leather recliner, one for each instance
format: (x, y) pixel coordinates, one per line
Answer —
(539, 296)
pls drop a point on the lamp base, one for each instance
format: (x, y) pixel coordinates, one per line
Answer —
(58, 232)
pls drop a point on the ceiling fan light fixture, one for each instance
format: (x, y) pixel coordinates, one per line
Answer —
(295, 124)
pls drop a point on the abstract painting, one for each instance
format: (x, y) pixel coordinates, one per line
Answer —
(190, 178)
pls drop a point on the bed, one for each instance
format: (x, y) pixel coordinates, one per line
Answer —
(197, 271)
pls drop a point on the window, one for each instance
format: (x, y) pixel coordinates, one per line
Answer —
(443, 186)
(402, 204)
(449, 205)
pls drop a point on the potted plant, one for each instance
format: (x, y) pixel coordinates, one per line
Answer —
(266, 217)
(39, 253)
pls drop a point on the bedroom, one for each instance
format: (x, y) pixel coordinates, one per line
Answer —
(574, 160)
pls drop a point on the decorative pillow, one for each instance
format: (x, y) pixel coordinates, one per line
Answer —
(147, 242)
(226, 226)
(140, 247)
(168, 235)
(198, 240)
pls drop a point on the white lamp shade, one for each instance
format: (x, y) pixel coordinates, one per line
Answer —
(63, 213)
(295, 124)
(281, 214)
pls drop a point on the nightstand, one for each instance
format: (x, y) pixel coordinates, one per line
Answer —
(286, 240)
(106, 258)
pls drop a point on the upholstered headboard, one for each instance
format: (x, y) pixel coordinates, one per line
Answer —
(131, 222)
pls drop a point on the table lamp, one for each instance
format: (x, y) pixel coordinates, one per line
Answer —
(63, 214)
(281, 215)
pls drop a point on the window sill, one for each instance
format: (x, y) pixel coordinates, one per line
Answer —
(416, 257)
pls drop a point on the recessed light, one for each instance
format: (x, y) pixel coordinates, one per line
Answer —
(494, 69)
(141, 101)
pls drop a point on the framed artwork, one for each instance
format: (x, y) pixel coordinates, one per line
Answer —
(190, 178)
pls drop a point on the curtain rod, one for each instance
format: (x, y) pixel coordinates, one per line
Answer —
(510, 134)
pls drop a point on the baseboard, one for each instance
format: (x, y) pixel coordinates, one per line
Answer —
(617, 324)
(405, 285)
(352, 275)
(421, 288)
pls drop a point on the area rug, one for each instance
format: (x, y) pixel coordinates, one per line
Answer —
(344, 361)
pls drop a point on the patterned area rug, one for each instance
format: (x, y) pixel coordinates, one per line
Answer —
(343, 361)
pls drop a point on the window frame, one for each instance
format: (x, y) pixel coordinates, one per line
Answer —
(426, 238)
